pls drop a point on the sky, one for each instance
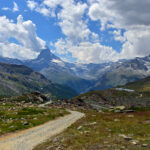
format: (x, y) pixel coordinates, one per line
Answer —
(84, 31)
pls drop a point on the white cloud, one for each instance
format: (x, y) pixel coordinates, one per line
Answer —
(118, 35)
(124, 14)
(137, 42)
(42, 9)
(53, 3)
(25, 33)
(78, 34)
(71, 22)
(132, 16)
(5, 8)
(61, 46)
(13, 50)
(32, 4)
(15, 8)
(87, 52)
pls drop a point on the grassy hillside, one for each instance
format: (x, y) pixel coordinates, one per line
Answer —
(104, 131)
(112, 97)
(141, 85)
(15, 117)
(18, 79)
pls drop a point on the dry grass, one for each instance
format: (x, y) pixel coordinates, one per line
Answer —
(103, 131)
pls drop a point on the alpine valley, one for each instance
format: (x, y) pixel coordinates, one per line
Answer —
(85, 77)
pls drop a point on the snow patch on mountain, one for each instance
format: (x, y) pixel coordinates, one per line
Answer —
(59, 62)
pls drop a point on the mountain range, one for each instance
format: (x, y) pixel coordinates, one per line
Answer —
(86, 77)
(19, 79)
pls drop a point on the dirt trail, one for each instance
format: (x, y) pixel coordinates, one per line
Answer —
(28, 139)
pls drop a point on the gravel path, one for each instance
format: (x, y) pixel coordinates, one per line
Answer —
(28, 139)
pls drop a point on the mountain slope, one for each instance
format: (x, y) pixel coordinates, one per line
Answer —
(58, 71)
(142, 85)
(54, 69)
(18, 79)
(123, 73)
(86, 77)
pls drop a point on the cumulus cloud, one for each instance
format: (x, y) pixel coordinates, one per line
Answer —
(87, 52)
(78, 34)
(132, 16)
(137, 42)
(40, 8)
(24, 32)
(70, 18)
(32, 4)
(121, 14)
(71, 22)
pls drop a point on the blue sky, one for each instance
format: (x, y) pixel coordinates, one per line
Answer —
(89, 31)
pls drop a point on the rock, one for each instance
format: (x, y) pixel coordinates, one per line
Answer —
(86, 132)
(134, 142)
(125, 137)
(11, 127)
(117, 111)
(93, 123)
(49, 147)
(105, 142)
(58, 148)
(123, 147)
(120, 107)
(116, 120)
(128, 138)
(130, 116)
(55, 139)
(80, 127)
(147, 122)
(144, 145)
(128, 111)
(81, 133)
(26, 123)
(109, 130)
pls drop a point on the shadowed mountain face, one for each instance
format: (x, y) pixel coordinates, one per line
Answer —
(123, 73)
(42, 61)
(85, 77)
(18, 79)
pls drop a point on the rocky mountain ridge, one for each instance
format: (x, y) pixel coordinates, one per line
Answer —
(19, 79)
(86, 77)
